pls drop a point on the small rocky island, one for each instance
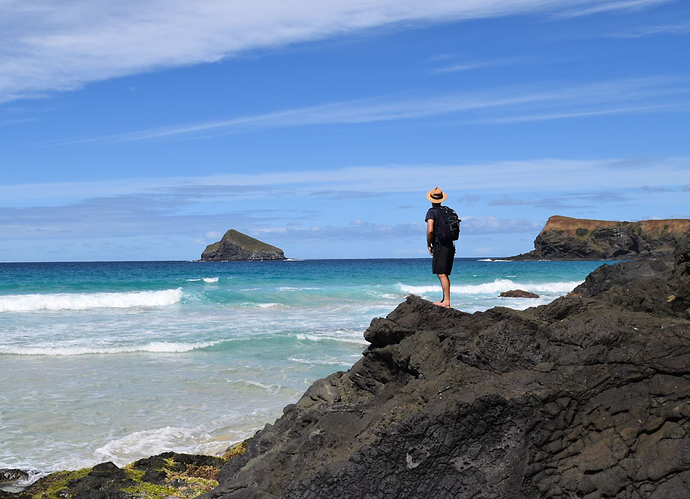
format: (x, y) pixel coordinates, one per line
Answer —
(564, 238)
(237, 246)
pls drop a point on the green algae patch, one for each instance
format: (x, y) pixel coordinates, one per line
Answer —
(146, 490)
(168, 475)
(54, 485)
(236, 450)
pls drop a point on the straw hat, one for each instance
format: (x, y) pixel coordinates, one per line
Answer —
(436, 195)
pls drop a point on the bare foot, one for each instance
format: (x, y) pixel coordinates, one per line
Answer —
(442, 304)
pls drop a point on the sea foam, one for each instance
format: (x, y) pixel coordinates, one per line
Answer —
(495, 287)
(150, 442)
(154, 347)
(89, 301)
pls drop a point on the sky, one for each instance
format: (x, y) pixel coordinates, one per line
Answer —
(144, 129)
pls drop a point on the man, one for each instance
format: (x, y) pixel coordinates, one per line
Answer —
(443, 253)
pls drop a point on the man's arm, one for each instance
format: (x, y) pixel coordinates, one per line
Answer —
(430, 235)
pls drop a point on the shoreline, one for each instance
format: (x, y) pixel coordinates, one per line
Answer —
(316, 391)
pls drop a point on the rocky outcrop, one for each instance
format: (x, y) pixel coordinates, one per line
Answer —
(586, 397)
(517, 293)
(170, 475)
(564, 238)
(237, 246)
(11, 475)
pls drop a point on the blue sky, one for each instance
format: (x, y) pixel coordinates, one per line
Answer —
(143, 130)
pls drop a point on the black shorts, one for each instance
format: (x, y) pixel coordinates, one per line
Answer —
(442, 260)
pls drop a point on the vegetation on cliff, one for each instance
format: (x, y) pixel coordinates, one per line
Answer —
(564, 238)
(237, 246)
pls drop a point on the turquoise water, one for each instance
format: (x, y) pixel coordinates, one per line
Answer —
(117, 361)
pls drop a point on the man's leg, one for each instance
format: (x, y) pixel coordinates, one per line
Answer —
(445, 286)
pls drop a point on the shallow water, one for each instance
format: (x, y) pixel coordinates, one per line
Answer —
(118, 361)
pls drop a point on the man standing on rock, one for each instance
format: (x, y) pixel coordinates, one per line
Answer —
(440, 235)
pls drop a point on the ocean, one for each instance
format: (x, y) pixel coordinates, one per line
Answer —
(116, 361)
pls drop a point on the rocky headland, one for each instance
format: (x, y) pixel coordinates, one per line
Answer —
(586, 397)
(237, 246)
(564, 238)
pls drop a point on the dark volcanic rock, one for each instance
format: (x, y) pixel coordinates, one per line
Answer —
(237, 246)
(587, 397)
(518, 293)
(564, 238)
(12, 475)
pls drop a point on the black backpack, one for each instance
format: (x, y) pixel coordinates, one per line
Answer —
(448, 224)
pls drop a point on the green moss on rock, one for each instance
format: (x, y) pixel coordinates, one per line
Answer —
(167, 475)
(54, 485)
(236, 450)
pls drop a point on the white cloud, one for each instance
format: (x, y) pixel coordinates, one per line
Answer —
(679, 108)
(494, 225)
(47, 46)
(609, 6)
(467, 66)
(666, 29)
(650, 94)
(546, 175)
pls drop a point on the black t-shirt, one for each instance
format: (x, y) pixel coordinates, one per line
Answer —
(434, 215)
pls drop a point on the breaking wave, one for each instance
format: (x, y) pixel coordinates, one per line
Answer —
(154, 347)
(89, 301)
(495, 287)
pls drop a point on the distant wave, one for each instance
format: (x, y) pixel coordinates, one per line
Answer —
(88, 301)
(495, 287)
(493, 260)
(321, 362)
(154, 347)
(263, 305)
(292, 288)
(210, 279)
(342, 339)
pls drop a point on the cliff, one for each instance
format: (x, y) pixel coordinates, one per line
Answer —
(237, 246)
(588, 396)
(564, 238)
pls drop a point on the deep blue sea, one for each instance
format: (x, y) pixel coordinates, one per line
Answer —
(117, 361)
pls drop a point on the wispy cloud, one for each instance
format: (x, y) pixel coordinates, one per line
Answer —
(569, 200)
(200, 208)
(499, 105)
(47, 47)
(608, 6)
(642, 31)
(494, 225)
(682, 108)
(464, 181)
(467, 66)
